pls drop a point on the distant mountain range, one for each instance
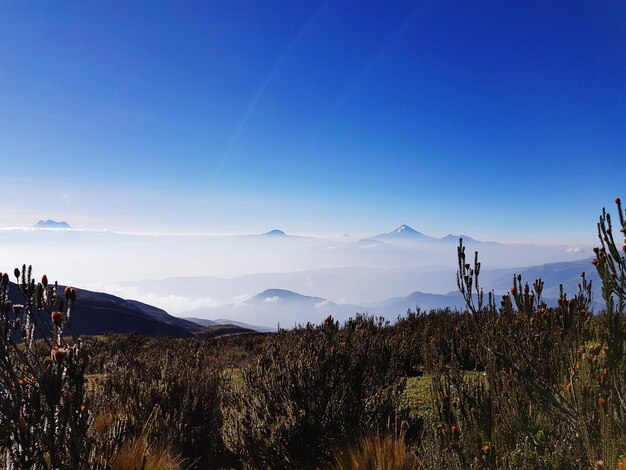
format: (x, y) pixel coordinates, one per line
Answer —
(406, 233)
(352, 285)
(300, 279)
(97, 313)
(288, 307)
(51, 224)
(552, 274)
(137, 256)
(403, 232)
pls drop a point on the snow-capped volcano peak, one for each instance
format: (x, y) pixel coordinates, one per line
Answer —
(404, 232)
(404, 229)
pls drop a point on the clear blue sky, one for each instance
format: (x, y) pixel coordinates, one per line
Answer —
(499, 119)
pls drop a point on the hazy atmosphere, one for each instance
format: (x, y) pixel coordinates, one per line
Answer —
(170, 138)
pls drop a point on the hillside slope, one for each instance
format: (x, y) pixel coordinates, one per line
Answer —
(96, 313)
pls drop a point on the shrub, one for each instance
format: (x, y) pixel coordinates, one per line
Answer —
(311, 389)
(423, 338)
(43, 416)
(552, 394)
(166, 392)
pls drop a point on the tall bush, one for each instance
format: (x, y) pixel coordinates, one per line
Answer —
(312, 389)
(165, 392)
(553, 390)
(43, 416)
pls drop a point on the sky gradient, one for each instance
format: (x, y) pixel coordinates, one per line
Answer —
(503, 120)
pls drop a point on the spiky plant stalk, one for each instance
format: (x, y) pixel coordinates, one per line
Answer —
(43, 417)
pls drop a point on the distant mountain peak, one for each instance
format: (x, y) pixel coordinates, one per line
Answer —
(403, 229)
(51, 224)
(276, 295)
(275, 233)
(279, 293)
(455, 238)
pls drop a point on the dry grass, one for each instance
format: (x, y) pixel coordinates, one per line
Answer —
(103, 421)
(136, 455)
(376, 453)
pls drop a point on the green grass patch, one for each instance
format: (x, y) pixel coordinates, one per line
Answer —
(417, 397)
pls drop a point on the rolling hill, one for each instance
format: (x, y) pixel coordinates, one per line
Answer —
(96, 313)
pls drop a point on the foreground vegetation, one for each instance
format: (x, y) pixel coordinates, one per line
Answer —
(514, 385)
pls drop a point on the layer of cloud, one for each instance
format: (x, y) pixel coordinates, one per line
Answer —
(174, 304)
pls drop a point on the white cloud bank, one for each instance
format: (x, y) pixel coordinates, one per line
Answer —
(173, 304)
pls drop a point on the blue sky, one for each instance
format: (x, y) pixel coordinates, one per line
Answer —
(504, 120)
